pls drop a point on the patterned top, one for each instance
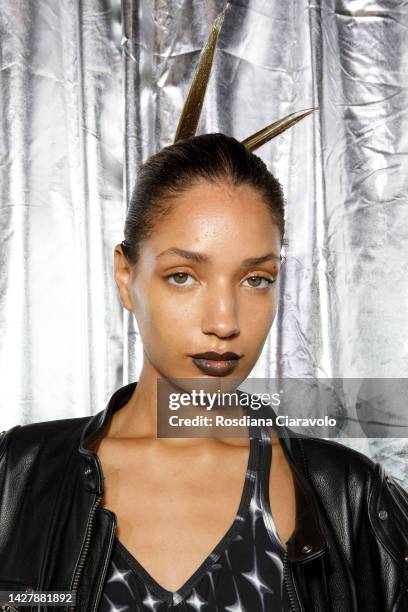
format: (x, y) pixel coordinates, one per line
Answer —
(244, 572)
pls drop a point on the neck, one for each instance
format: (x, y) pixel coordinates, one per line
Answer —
(138, 417)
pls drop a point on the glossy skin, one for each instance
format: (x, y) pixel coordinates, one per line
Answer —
(173, 502)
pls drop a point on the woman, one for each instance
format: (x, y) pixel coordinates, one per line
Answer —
(101, 507)
(201, 209)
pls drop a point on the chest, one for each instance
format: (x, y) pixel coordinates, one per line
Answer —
(173, 509)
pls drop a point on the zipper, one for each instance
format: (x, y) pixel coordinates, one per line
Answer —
(287, 579)
(84, 551)
(105, 565)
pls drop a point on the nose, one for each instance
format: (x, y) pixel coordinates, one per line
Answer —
(220, 312)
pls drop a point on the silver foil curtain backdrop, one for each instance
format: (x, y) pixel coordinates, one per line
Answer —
(90, 88)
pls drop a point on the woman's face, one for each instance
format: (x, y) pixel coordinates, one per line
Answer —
(195, 288)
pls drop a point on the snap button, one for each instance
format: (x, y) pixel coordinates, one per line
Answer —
(90, 475)
(306, 549)
(383, 515)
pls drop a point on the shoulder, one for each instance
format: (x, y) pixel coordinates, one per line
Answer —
(342, 465)
(346, 478)
(337, 473)
(327, 455)
(41, 440)
(36, 460)
(42, 430)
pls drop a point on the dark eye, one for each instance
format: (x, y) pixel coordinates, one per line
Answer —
(258, 281)
(179, 278)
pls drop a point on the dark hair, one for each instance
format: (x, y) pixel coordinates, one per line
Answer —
(177, 167)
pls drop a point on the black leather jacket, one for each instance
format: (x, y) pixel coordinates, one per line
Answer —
(349, 550)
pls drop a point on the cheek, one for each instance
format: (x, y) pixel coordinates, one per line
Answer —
(256, 320)
(259, 311)
(162, 320)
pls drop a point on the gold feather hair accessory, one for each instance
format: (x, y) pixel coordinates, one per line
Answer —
(190, 114)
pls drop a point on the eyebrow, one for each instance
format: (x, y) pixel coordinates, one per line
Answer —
(201, 258)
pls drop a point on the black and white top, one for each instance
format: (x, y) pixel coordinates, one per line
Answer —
(244, 572)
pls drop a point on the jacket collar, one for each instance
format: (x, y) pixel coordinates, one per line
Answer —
(91, 468)
(307, 541)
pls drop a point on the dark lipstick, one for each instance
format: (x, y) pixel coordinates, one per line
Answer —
(216, 363)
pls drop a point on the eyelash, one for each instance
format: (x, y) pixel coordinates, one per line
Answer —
(270, 281)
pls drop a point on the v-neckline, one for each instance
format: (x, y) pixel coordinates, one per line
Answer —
(175, 597)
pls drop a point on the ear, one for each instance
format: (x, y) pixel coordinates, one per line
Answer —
(123, 277)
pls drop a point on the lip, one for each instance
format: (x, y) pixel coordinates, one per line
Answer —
(217, 356)
(216, 363)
